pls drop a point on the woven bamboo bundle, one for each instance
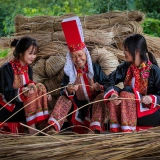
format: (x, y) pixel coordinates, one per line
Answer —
(52, 84)
(153, 45)
(38, 79)
(5, 42)
(96, 36)
(34, 23)
(106, 20)
(107, 60)
(117, 52)
(54, 64)
(39, 67)
(60, 76)
(137, 146)
(53, 48)
(52, 23)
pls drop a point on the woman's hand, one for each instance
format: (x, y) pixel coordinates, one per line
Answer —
(116, 101)
(29, 89)
(96, 86)
(146, 99)
(72, 88)
(49, 97)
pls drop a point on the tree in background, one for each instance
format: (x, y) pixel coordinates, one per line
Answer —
(9, 9)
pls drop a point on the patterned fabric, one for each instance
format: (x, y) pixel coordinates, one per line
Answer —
(76, 47)
(141, 75)
(70, 70)
(123, 117)
(99, 114)
(84, 91)
(18, 68)
(20, 74)
(61, 109)
(63, 106)
(37, 110)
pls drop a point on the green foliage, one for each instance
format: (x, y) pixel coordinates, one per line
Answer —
(152, 27)
(9, 9)
(4, 52)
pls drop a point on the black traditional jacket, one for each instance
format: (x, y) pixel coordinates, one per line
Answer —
(100, 77)
(8, 93)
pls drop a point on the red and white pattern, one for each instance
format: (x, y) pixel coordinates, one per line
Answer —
(143, 111)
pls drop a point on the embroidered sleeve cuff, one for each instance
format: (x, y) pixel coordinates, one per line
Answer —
(154, 101)
(69, 96)
(109, 93)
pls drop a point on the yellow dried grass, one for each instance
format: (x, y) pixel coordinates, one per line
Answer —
(54, 64)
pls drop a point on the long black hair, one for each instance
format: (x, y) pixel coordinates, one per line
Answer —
(136, 42)
(22, 45)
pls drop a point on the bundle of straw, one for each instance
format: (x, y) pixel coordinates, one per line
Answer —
(52, 84)
(54, 64)
(142, 145)
(39, 67)
(53, 48)
(107, 60)
(52, 23)
(60, 76)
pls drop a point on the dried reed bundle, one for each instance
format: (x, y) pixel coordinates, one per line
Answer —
(53, 48)
(5, 42)
(96, 36)
(108, 19)
(34, 23)
(141, 145)
(52, 23)
(54, 64)
(52, 84)
(39, 68)
(38, 79)
(42, 37)
(47, 26)
(116, 52)
(60, 76)
(158, 61)
(153, 45)
(126, 28)
(21, 20)
(107, 60)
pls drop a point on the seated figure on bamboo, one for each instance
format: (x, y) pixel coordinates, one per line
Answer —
(139, 101)
(18, 89)
(84, 83)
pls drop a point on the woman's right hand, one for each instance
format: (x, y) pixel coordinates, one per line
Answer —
(72, 88)
(29, 89)
(116, 101)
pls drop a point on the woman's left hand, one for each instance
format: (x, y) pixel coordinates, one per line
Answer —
(96, 86)
(146, 99)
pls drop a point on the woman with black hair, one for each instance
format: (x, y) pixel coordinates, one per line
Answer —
(141, 77)
(16, 81)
